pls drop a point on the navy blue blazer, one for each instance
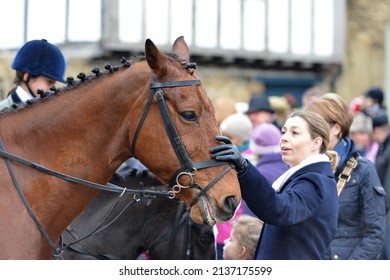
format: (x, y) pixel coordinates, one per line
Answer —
(301, 220)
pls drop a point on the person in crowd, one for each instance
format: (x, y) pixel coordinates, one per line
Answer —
(260, 110)
(281, 109)
(238, 128)
(264, 144)
(291, 100)
(299, 210)
(311, 94)
(361, 213)
(38, 65)
(372, 102)
(244, 235)
(224, 107)
(361, 133)
(382, 164)
(355, 105)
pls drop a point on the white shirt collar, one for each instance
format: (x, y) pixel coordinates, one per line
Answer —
(23, 95)
(277, 185)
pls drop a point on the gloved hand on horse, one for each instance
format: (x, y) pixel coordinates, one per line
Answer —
(229, 152)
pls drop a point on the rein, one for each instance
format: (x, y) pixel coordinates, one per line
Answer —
(138, 194)
(77, 246)
(57, 251)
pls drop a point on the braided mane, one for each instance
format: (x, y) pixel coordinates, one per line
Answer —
(83, 79)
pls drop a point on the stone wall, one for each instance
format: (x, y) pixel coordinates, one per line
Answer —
(365, 46)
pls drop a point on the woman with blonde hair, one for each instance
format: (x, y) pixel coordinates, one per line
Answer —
(299, 209)
(361, 215)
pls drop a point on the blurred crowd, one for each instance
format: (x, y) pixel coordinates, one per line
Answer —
(256, 133)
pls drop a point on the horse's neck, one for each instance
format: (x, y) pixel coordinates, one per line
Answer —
(80, 127)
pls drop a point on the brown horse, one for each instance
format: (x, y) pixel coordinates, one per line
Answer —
(154, 108)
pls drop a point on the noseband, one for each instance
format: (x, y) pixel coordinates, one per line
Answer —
(188, 168)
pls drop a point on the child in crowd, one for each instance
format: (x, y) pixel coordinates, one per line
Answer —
(241, 245)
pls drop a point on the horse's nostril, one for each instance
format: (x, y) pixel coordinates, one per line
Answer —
(230, 204)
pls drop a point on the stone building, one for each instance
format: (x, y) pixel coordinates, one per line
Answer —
(361, 64)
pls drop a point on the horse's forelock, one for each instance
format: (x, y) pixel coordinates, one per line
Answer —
(189, 66)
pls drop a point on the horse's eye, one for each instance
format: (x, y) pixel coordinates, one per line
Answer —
(189, 115)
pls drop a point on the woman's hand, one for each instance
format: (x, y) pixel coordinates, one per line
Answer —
(229, 152)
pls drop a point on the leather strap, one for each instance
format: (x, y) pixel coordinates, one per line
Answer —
(57, 252)
(108, 187)
(345, 176)
(182, 83)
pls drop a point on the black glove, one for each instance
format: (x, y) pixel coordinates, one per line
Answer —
(229, 152)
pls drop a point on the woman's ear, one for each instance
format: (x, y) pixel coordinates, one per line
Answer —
(317, 143)
(336, 130)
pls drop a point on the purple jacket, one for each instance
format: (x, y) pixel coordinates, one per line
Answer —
(272, 166)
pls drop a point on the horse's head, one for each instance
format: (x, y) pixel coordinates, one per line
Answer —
(182, 119)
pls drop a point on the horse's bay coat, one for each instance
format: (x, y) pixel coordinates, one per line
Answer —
(301, 220)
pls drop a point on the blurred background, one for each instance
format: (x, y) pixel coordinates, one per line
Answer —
(273, 47)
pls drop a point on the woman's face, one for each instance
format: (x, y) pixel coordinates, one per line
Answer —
(296, 143)
(334, 135)
(260, 117)
(362, 139)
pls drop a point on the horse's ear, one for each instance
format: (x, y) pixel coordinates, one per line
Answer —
(154, 56)
(180, 48)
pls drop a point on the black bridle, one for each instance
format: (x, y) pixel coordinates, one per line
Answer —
(188, 168)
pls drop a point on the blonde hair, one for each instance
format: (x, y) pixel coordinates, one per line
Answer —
(247, 231)
(318, 127)
(333, 109)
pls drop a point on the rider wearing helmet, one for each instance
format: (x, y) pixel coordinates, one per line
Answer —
(38, 65)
